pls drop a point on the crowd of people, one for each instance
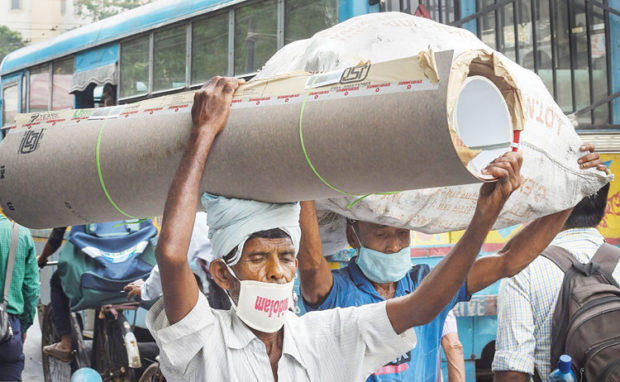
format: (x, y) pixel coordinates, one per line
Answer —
(377, 319)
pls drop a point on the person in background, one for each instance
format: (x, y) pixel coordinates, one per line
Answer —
(199, 255)
(109, 95)
(382, 270)
(453, 349)
(22, 299)
(60, 302)
(526, 302)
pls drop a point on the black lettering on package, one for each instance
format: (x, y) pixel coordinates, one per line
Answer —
(30, 141)
(10, 206)
(402, 359)
(2, 169)
(354, 74)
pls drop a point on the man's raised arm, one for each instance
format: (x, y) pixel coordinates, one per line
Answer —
(517, 253)
(440, 286)
(529, 242)
(315, 278)
(209, 114)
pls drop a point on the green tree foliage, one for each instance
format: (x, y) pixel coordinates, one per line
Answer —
(9, 41)
(100, 9)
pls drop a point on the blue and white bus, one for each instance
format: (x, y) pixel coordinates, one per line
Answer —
(174, 45)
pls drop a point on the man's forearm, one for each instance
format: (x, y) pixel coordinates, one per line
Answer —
(518, 253)
(178, 284)
(209, 115)
(455, 357)
(314, 274)
(439, 287)
(53, 242)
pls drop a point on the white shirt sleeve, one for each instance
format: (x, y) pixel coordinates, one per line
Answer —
(449, 325)
(179, 343)
(151, 289)
(383, 344)
(350, 343)
(515, 345)
(199, 247)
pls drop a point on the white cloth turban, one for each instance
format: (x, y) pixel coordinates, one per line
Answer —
(232, 221)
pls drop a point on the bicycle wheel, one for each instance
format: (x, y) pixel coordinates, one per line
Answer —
(80, 354)
(54, 370)
(109, 356)
(152, 374)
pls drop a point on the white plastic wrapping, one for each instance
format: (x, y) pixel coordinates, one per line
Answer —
(553, 180)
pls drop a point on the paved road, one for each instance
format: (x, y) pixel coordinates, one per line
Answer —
(33, 370)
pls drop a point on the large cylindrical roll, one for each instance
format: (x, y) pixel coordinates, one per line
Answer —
(377, 127)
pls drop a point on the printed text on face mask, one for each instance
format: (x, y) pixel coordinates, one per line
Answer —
(271, 306)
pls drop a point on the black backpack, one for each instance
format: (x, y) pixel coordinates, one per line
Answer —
(586, 320)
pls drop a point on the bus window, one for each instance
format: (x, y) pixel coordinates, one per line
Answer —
(10, 101)
(104, 95)
(61, 83)
(134, 67)
(255, 35)
(304, 18)
(39, 89)
(209, 48)
(169, 58)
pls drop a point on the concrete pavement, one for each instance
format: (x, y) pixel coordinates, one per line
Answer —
(33, 369)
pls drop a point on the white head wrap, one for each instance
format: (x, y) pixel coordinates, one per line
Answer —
(232, 221)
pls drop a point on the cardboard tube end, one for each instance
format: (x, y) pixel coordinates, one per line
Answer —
(483, 124)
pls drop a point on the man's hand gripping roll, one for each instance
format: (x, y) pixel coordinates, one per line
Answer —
(442, 284)
(209, 115)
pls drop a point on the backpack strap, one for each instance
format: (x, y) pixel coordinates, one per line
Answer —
(559, 256)
(607, 257)
(10, 262)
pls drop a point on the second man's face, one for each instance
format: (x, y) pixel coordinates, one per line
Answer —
(382, 238)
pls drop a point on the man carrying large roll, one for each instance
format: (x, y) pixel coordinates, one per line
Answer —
(382, 270)
(255, 245)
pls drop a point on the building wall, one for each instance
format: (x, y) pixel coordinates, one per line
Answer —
(39, 20)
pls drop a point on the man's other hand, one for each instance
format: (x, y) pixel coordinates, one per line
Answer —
(507, 170)
(591, 158)
(41, 260)
(133, 289)
(212, 103)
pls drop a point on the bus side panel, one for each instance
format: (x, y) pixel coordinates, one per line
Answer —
(610, 225)
(614, 30)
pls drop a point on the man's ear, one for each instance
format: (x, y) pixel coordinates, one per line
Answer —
(351, 237)
(220, 273)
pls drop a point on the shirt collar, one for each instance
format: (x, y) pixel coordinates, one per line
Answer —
(239, 336)
(403, 286)
(289, 345)
(579, 235)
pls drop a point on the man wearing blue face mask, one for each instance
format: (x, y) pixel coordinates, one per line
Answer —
(382, 270)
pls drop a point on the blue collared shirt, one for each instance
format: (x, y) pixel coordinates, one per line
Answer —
(352, 288)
